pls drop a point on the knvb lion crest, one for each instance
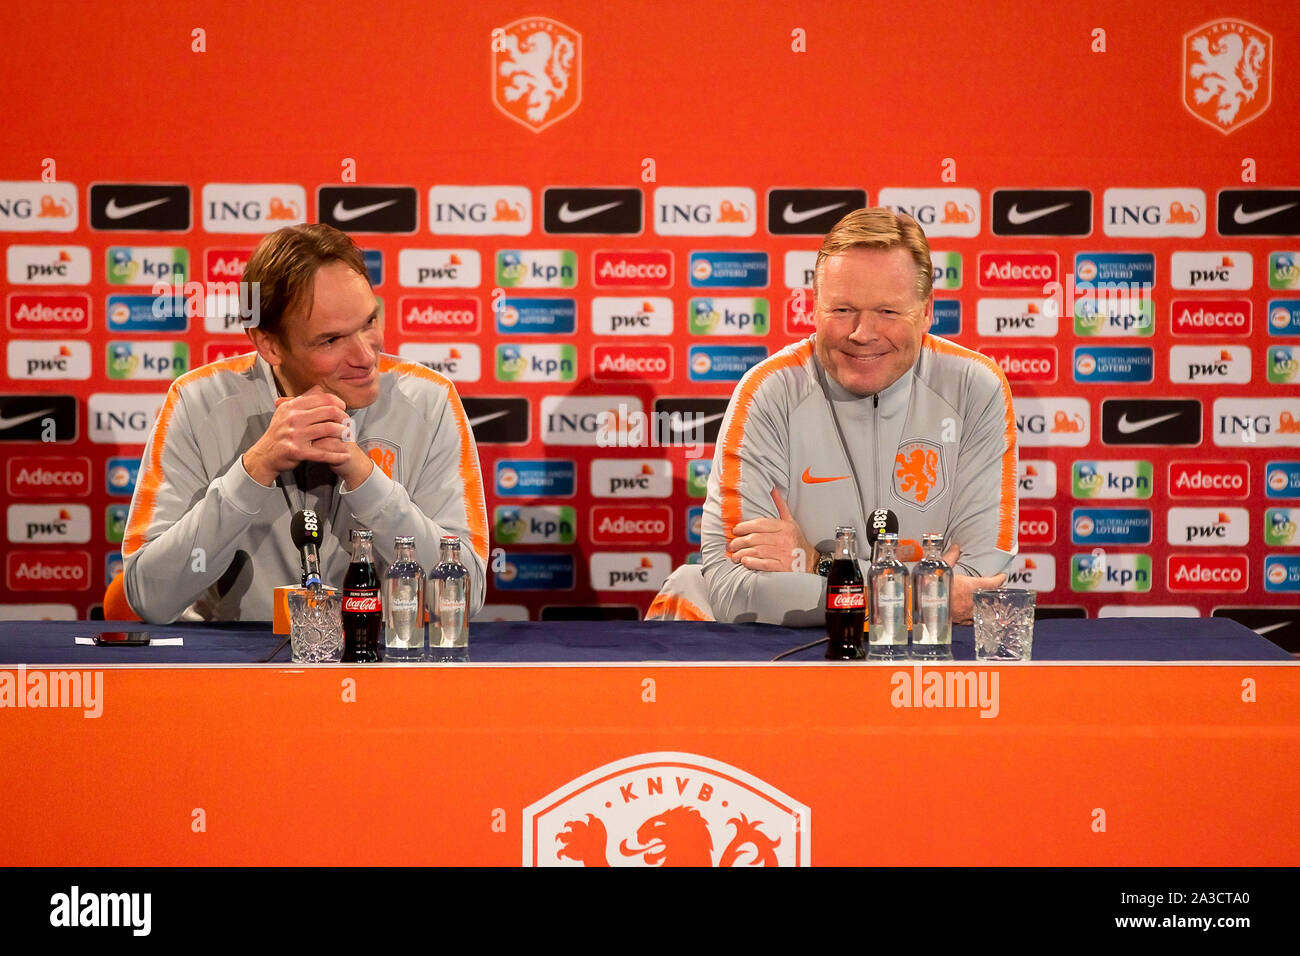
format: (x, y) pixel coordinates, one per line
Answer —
(918, 473)
(666, 809)
(1227, 73)
(536, 71)
(383, 453)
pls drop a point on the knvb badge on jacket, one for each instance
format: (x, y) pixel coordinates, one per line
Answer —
(918, 473)
(667, 809)
(536, 71)
(1227, 73)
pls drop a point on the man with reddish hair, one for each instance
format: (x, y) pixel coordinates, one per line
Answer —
(870, 412)
(316, 418)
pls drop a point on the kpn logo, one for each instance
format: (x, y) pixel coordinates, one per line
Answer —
(147, 360)
(536, 363)
(1284, 270)
(729, 316)
(554, 524)
(1283, 365)
(145, 265)
(1114, 313)
(1104, 571)
(1112, 479)
(1280, 527)
(537, 268)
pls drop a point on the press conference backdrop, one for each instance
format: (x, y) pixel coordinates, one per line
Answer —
(595, 218)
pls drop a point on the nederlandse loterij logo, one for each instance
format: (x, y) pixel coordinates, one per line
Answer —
(667, 809)
(536, 71)
(1227, 73)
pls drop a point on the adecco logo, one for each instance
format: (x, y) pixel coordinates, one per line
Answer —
(48, 312)
(1207, 572)
(47, 571)
(431, 313)
(44, 477)
(667, 809)
(619, 524)
(1209, 479)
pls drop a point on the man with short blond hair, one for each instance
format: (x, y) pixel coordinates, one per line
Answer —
(870, 412)
(316, 418)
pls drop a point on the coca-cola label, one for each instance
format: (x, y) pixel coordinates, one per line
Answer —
(360, 602)
(845, 597)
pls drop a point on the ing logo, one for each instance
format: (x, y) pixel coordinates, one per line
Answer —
(1227, 73)
(536, 71)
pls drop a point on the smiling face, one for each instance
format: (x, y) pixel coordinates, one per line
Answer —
(869, 317)
(334, 344)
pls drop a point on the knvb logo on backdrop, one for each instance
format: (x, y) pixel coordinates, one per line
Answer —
(133, 207)
(666, 809)
(536, 71)
(1227, 73)
(38, 207)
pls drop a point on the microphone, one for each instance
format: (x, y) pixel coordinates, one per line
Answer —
(881, 521)
(305, 529)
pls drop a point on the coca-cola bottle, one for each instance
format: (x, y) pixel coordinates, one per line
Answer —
(846, 601)
(362, 614)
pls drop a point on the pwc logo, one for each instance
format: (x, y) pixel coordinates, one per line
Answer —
(1146, 213)
(252, 207)
(1036, 572)
(1208, 526)
(49, 359)
(1013, 318)
(634, 571)
(49, 524)
(536, 71)
(631, 478)
(1227, 73)
(1036, 478)
(614, 315)
(705, 211)
(34, 206)
(47, 265)
(458, 315)
(457, 268)
(667, 809)
(1209, 364)
(940, 212)
(460, 362)
(1211, 270)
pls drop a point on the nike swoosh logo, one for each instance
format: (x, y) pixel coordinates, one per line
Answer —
(1268, 628)
(1018, 218)
(678, 426)
(488, 417)
(114, 211)
(568, 215)
(19, 419)
(1243, 218)
(343, 214)
(1127, 427)
(790, 217)
(808, 479)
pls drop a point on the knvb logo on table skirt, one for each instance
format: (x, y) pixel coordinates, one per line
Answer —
(667, 809)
